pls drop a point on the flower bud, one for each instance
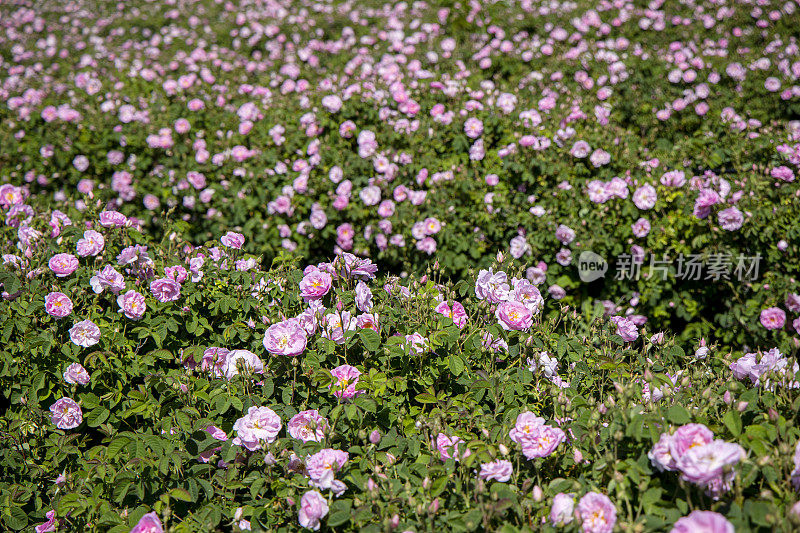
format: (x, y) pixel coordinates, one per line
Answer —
(375, 436)
(794, 513)
(577, 456)
(727, 398)
(537, 493)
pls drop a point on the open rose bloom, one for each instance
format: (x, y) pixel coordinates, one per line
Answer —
(286, 338)
(345, 379)
(308, 426)
(66, 414)
(313, 508)
(260, 424)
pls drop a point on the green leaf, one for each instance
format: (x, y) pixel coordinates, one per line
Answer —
(456, 364)
(181, 494)
(733, 421)
(677, 414)
(11, 284)
(15, 518)
(97, 416)
(426, 397)
(371, 340)
(116, 446)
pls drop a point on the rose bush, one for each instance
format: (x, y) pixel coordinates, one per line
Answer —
(518, 266)
(618, 129)
(185, 418)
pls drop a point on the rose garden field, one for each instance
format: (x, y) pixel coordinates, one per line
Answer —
(287, 265)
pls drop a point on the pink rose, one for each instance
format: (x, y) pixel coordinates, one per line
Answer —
(315, 285)
(107, 278)
(149, 523)
(66, 414)
(112, 219)
(57, 304)
(165, 289)
(525, 424)
(597, 513)
(214, 361)
(85, 334)
(92, 243)
(63, 265)
(456, 313)
(308, 426)
(687, 437)
(238, 359)
(363, 297)
(322, 467)
(76, 374)
(313, 507)
(451, 447)
(773, 318)
(417, 344)
(562, 510)
(132, 305)
(625, 328)
(703, 521)
(499, 470)
(259, 424)
(345, 381)
(285, 338)
(541, 441)
(514, 316)
(232, 240)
